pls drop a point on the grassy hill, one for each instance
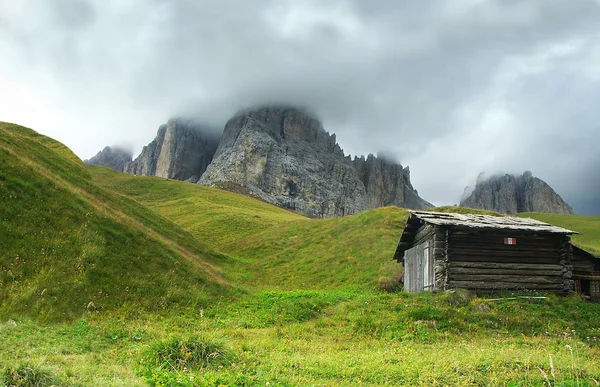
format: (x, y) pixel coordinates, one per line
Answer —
(68, 245)
(272, 247)
(217, 217)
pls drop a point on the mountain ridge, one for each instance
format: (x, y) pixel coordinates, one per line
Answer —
(512, 194)
(282, 155)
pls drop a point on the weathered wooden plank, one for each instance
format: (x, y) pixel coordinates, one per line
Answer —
(516, 233)
(501, 246)
(503, 253)
(583, 265)
(526, 280)
(458, 233)
(424, 233)
(503, 285)
(500, 242)
(438, 250)
(501, 271)
(502, 265)
(586, 276)
(492, 259)
(410, 269)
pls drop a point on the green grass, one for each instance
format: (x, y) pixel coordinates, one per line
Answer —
(195, 286)
(30, 376)
(272, 247)
(333, 338)
(214, 216)
(69, 246)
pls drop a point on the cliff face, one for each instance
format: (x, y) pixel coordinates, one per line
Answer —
(512, 194)
(113, 158)
(181, 150)
(284, 156)
(387, 183)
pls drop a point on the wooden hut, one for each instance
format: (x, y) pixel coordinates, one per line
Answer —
(586, 274)
(445, 251)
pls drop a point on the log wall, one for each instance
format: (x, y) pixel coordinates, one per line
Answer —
(481, 260)
(440, 257)
(586, 271)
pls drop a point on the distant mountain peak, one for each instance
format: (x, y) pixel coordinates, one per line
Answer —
(283, 155)
(512, 194)
(112, 157)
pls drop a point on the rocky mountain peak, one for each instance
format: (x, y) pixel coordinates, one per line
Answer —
(111, 157)
(282, 123)
(512, 194)
(281, 154)
(181, 150)
(284, 156)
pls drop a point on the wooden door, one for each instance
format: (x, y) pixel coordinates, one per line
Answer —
(419, 273)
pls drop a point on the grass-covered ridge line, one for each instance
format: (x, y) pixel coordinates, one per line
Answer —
(68, 245)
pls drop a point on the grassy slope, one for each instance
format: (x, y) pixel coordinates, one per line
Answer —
(327, 253)
(217, 217)
(66, 242)
(274, 248)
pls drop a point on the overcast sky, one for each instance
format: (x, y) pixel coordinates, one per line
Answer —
(451, 88)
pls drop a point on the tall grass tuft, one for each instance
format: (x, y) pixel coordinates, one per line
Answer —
(26, 375)
(192, 354)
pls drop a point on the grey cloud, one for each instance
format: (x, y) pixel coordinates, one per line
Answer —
(439, 84)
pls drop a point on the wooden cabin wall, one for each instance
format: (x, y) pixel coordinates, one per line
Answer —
(482, 260)
(586, 271)
(440, 257)
(425, 233)
(586, 267)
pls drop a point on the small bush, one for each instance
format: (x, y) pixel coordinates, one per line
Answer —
(29, 376)
(195, 353)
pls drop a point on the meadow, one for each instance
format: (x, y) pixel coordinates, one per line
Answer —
(109, 279)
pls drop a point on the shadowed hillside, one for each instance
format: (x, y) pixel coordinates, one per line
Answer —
(68, 246)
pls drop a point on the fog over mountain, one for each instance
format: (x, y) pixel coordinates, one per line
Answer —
(450, 88)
